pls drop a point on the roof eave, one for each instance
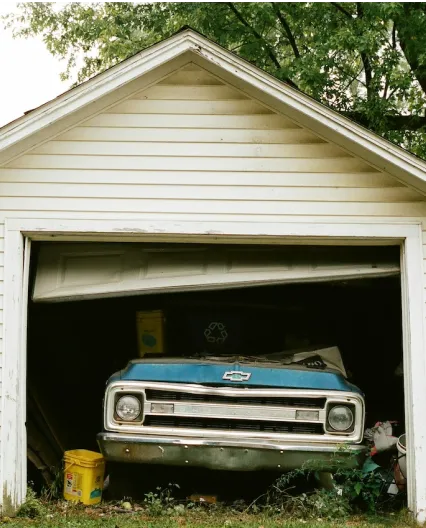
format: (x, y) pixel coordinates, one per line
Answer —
(328, 123)
(49, 114)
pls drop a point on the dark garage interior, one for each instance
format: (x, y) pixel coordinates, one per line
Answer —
(73, 347)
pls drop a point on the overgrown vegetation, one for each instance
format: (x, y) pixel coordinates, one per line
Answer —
(82, 519)
(351, 492)
(33, 507)
(54, 491)
(161, 510)
(70, 515)
(162, 502)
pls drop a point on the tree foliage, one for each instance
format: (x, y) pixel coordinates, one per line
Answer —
(365, 60)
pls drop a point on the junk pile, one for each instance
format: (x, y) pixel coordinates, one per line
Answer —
(387, 455)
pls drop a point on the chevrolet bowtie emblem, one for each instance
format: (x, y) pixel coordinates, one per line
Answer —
(236, 375)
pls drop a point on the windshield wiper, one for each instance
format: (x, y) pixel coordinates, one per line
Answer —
(236, 359)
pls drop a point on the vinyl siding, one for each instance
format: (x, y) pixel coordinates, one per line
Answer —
(1, 294)
(194, 148)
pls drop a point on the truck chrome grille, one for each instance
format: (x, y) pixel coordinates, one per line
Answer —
(195, 411)
(235, 410)
(300, 402)
(234, 425)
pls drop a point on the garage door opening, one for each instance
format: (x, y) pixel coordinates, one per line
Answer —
(320, 297)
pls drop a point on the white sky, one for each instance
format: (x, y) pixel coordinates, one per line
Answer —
(29, 74)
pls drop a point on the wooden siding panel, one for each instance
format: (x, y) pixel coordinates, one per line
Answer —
(187, 77)
(233, 207)
(193, 147)
(234, 107)
(209, 192)
(189, 135)
(199, 178)
(211, 164)
(191, 93)
(261, 121)
(222, 150)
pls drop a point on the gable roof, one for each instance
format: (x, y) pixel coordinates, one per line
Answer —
(152, 64)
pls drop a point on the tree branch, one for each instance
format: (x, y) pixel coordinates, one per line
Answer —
(341, 9)
(410, 54)
(287, 30)
(385, 91)
(368, 71)
(394, 36)
(255, 33)
(391, 122)
(263, 42)
(365, 59)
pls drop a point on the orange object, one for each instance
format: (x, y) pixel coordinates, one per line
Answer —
(207, 499)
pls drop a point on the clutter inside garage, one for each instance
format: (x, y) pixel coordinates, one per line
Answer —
(74, 348)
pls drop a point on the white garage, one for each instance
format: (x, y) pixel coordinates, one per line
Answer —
(185, 168)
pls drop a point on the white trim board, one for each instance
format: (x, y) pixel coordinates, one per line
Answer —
(13, 435)
(90, 97)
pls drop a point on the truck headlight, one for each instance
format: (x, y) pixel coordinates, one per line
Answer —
(128, 408)
(341, 418)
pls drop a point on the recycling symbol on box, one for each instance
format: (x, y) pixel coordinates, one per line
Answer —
(216, 333)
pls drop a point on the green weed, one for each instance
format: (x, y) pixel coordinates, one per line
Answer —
(32, 507)
(161, 501)
(55, 490)
(353, 491)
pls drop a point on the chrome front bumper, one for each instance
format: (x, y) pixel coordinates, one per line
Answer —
(244, 455)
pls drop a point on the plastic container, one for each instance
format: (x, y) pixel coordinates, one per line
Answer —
(402, 451)
(150, 327)
(83, 476)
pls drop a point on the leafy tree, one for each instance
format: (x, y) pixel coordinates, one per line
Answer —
(365, 60)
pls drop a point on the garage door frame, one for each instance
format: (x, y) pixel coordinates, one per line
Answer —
(18, 233)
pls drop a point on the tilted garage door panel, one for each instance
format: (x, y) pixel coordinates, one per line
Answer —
(83, 271)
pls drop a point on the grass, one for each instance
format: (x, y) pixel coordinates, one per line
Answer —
(70, 516)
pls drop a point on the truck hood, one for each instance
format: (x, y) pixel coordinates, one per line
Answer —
(235, 374)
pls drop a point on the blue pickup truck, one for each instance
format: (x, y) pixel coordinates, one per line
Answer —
(231, 412)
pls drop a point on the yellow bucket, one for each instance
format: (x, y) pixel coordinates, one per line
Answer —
(83, 476)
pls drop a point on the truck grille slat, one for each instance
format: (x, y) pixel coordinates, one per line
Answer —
(242, 425)
(163, 395)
